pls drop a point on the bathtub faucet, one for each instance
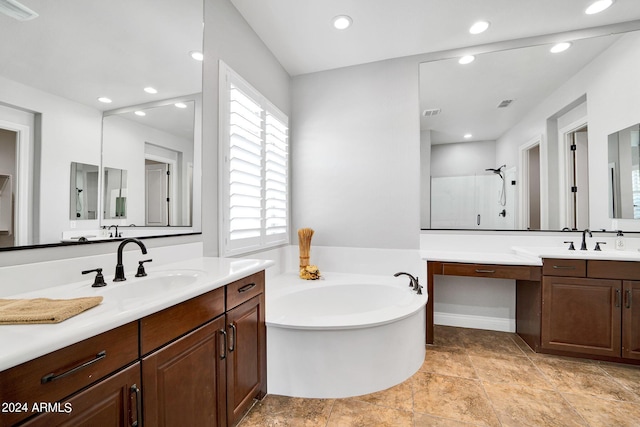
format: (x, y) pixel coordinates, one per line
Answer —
(413, 282)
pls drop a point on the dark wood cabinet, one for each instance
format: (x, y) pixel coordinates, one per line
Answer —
(245, 368)
(631, 320)
(185, 381)
(588, 309)
(113, 402)
(581, 315)
(199, 363)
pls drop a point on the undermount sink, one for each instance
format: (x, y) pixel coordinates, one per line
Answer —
(561, 252)
(154, 283)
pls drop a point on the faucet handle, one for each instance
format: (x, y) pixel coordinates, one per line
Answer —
(571, 247)
(141, 272)
(98, 282)
(597, 248)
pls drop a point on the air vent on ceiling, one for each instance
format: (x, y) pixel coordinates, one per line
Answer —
(17, 10)
(432, 112)
(505, 103)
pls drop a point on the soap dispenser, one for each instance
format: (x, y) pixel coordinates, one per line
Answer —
(620, 241)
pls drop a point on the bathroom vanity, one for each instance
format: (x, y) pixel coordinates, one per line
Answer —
(200, 361)
(567, 303)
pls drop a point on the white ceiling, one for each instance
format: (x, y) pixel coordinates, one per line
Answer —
(81, 50)
(301, 36)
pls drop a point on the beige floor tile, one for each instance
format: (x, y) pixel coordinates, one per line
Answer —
(583, 378)
(490, 342)
(448, 361)
(424, 420)
(627, 375)
(497, 368)
(447, 336)
(276, 410)
(397, 397)
(519, 406)
(599, 412)
(352, 413)
(461, 399)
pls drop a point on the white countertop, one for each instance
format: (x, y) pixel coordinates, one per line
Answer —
(501, 258)
(563, 252)
(123, 302)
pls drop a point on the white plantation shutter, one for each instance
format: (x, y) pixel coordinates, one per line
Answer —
(254, 182)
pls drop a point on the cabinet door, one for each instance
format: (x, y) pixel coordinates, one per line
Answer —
(184, 382)
(631, 320)
(246, 364)
(113, 401)
(581, 315)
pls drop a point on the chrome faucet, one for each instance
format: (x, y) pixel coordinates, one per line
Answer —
(413, 282)
(583, 246)
(119, 267)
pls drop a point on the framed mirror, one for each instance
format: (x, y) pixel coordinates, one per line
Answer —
(515, 140)
(624, 173)
(63, 79)
(114, 198)
(83, 192)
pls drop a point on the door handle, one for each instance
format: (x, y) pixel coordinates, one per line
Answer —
(232, 347)
(618, 297)
(223, 347)
(627, 298)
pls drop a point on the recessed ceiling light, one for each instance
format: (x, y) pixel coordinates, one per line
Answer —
(479, 27)
(560, 47)
(197, 55)
(598, 6)
(140, 113)
(180, 105)
(150, 90)
(105, 100)
(468, 59)
(342, 22)
(17, 10)
(467, 135)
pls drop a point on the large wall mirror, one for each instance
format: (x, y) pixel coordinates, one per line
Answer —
(517, 138)
(104, 83)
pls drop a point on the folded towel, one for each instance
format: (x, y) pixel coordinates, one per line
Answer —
(43, 310)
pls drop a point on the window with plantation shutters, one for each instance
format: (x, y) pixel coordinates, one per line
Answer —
(254, 154)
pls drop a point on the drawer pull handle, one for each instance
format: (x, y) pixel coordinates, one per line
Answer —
(485, 271)
(627, 298)
(246, 288)
(232, 347)
(223, 352)
(564, 267)
(52, 376)
(618, 298)
(134, 389)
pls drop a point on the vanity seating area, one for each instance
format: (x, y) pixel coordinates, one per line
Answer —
(140, 356)
(570, 303)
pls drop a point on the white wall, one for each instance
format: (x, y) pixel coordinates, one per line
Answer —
(229, 38)
(463, 158)
(125, 149)
(612, 91)
(356, 155)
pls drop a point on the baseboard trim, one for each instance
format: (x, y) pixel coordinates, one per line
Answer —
(475, 322)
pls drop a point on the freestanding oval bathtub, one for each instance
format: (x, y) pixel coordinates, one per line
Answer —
(346, 335)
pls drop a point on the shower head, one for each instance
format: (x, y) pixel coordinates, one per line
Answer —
(497, 170)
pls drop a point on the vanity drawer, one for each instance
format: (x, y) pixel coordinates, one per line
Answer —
(159, 328)
(516, 272)
(564, 267)
(623, 270)
(244, 289)
(57, 375)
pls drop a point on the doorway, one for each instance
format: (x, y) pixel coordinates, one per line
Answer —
(575, 189)
(8, 169)
(157, 193)
(531, 216)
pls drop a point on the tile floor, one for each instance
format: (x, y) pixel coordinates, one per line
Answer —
(472, 377)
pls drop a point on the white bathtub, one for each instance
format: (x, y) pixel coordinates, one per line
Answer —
(344, 336)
